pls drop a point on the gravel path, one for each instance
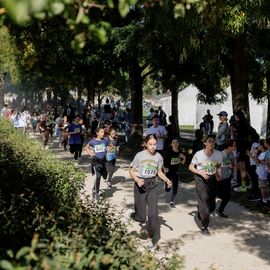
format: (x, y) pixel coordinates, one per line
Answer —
(241, 242)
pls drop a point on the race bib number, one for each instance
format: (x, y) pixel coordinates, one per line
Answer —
(175, 161)
(226, 163)
(149, 171)
(99, 148)
(77, 130)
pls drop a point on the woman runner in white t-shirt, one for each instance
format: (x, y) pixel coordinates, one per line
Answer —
(144, 169)
(206, 165)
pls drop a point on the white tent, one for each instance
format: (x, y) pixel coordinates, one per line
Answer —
(191, 112)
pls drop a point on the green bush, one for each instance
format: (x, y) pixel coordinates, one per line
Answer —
(32, 183)
(45, 225)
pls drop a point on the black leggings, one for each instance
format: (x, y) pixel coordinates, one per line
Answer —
(110, 166)
(99, 167)
(74, 149)
(174, 177)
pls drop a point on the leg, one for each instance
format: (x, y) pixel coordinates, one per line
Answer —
(175, 182)
(151, 199)
(225, 193)
(203, 201)
(140, 204)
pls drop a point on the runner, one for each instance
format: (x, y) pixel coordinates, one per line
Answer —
(112, 151)
(44, 133)
(160, 133)
(75, 131)
(64, 132)
(143, 170)
(97, 148)
(224, 185)
(172, 159)
(205, 165)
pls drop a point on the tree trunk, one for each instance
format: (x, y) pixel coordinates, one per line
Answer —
(268, 106)
(135, 83)
(2, 90)
(174, 105)
(239, 83)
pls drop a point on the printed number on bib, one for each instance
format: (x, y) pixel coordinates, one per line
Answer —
(175, 161)
(99, 148)
(149, 171)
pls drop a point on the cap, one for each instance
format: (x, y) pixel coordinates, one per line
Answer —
(222, 113)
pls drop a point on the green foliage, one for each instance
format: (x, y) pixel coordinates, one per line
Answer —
(32, 183)
(45, 225)
(9, 55)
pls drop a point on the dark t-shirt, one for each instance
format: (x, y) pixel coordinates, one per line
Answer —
(172, 160)
(75, 138)
(99, 147)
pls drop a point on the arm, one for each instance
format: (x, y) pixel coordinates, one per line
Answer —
(198, 172)
(89, 150)
(183, 157)
(134, 176)
(162, 176)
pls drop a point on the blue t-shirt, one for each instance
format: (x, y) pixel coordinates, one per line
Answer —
(99, 147)
(112, 149)
(75, 138)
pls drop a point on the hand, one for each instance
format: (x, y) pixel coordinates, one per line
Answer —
(169, 184)
(203, 174)
(140, 182)
(166, 170)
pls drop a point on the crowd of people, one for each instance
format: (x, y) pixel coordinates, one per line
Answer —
(235, 157)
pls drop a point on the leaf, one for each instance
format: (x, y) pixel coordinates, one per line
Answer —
(6, 265)
(38, 5)
(57, 8)
(22, 252)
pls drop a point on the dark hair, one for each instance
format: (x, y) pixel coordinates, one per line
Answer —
(111, 129)
(230, 143)
(171, 119)
(267, 140)
(209, 136)
(262, 143)
(155, 116)
(149, 137)
(240, 114)
(99, 128)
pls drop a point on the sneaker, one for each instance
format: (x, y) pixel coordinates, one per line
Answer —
(46, 147)
(240, 189)
(127, 215)
(109, 185)
(79, 158)
(150, 245)
(249, 187)
(205, 231)
(220, 214)
(172, 204)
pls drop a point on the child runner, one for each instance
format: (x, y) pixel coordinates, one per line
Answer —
(205, 164)
(82, 138)
(97, 148)
(112, 151)
(224, 185)
(64, 132)
(172, 159)
(261, 171)
(75, 131)
(144, 168)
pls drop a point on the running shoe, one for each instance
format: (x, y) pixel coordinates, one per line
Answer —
(150, 245)
(205, 231)
(127, 215)
(109, 185)
(240, 189)
(220, 214)
(172, 204)
(249, 187)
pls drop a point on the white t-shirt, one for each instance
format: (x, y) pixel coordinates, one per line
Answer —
(253, 152)
(261, 169)
(159, 131)
(207, 163)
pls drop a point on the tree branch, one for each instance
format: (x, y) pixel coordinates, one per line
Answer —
(148, 73)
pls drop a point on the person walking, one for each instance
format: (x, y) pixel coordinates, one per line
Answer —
(97, 149)
(172, 159)
(224, 183)
(205, 164)
(144, 168)
(223, 131)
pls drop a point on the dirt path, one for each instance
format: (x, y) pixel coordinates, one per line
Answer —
(241, 242)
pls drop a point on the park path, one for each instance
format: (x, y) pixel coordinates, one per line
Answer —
(241, 242)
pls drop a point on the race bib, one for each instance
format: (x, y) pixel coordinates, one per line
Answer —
(209, 167)
(77, 130)
(99, 148)
(175, 161)
(149, 171)
(226, 163)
